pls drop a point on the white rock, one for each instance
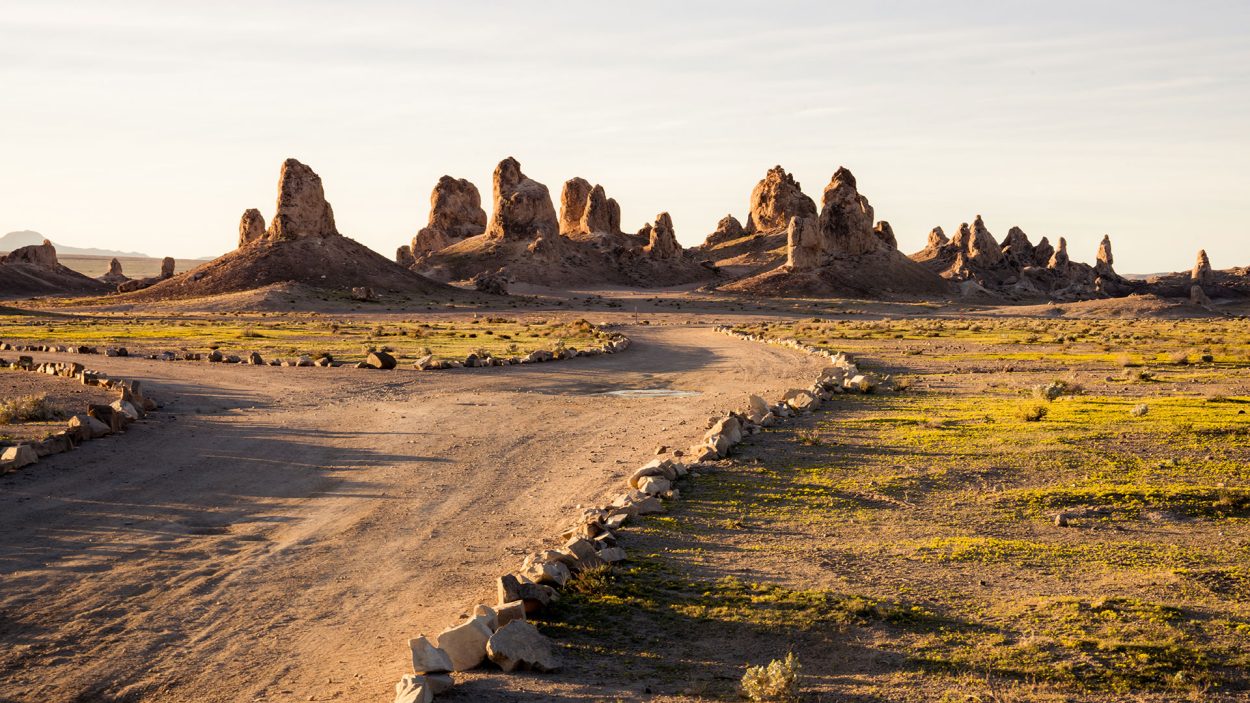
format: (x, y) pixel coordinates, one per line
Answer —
(519, 645)
(91, 427)
(757, 408)
(17, 456)
(465, 643)
(492, 618)
(612, 554)
(552, 573)
(654, 485)
(426, 658)
(507, 612)
(413, 689)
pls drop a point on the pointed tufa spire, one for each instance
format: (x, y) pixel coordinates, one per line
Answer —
(662, 240)
(1059, 259)
(1104, 260)
(302, 209)
(251, 227)
(523, 208)
(1201, 274)
(846, 219)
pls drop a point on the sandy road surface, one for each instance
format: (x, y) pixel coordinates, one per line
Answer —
(278, 533)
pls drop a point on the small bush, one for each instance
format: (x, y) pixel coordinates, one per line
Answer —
(594, 580)
(1139, 410)
(250, 333)
(1055, 389)
(27, 408)
(1033, 413)
(779, 681)
(808, 438)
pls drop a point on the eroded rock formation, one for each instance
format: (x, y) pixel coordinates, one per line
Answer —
(115, 275)
(523, 208)
(846, 219)
(803, 249)
(662, 240)
(573, 204)
(455, 214)
(1201, 273)
(775, 200)
(251, 227)
(36, 254)
(302, 210)
(728, 229)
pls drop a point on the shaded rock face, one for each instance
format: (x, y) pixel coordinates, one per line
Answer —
(596, 215)
(775, 200)
(455, 213)
(573, 204)
(1201, 274)
(846, 219)
(1017, 249)
(37, 254)
(1042, 252)
(885, 233)
(251, 227)
(404, 257)
(662, 240)
(803, 250)
(982, 247)
(523, 208)
(302, 209)
(728, 229)
(167, 267)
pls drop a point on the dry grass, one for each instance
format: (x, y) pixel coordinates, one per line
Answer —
(27, 408)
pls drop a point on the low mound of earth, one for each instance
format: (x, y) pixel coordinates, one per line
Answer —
(878, 274)
(561, 261)
(332, 262)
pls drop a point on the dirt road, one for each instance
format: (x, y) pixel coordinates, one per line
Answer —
(278, 533)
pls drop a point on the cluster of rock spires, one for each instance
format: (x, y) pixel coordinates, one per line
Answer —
(1017, 268)
(125, 284)
(526, 240)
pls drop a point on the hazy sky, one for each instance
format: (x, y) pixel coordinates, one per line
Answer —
(151, 126)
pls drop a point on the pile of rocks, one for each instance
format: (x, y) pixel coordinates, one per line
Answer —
(98, 421)
(501, 633)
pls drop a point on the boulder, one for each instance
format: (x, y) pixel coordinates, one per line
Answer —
(17, 456)
(380, 360)
(519, 645)
(523, 208)
(465, 644)
(535, 596)
(757, 408)
(426, 658)
(573, 205)
(775, 200)
(413, 688)
(507, 612)
(86, 427)
(612, 555)
(654, 485)
(800, 400)
(251, 227)
(364, 294)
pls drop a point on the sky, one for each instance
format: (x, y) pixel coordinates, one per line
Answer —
(151, 126)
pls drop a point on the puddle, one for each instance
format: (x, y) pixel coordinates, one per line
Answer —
(651, 393)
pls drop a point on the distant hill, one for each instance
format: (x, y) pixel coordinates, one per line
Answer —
(16, 240)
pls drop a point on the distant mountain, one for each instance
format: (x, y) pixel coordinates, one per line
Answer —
(24, 238)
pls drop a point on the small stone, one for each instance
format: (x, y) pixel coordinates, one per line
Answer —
(1061, 520)
(612, 555)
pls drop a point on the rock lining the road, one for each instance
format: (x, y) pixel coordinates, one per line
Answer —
(502, 633)
(97, 421)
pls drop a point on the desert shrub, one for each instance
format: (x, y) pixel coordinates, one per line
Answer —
(1054, 389)
(1180, 358)
(808, 438)
(27, 408)
(779, 681)
(1139, 410)
(1138, 375)
(250, 332)
(1033, 413)
(594, 580)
